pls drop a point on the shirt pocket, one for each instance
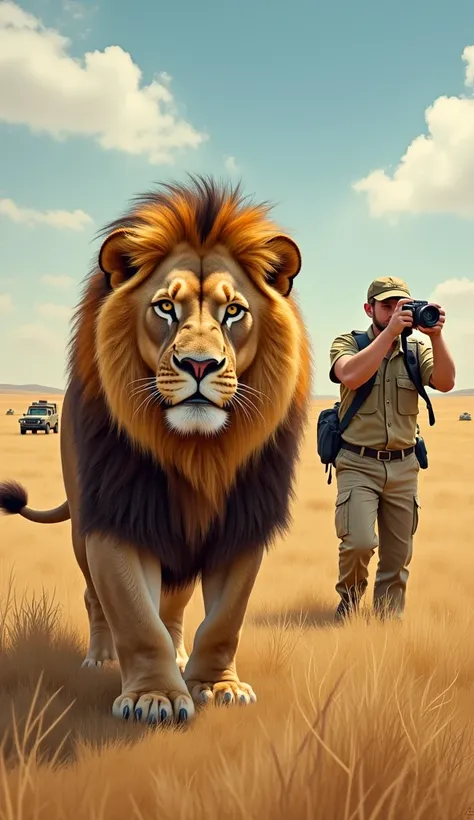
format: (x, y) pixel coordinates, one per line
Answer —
(407, 397)
(371, 403)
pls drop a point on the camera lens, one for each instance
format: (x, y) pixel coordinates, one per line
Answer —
(429, 316)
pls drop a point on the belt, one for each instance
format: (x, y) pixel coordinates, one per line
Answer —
(380, 455)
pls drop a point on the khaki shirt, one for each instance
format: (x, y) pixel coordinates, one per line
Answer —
(387, 420)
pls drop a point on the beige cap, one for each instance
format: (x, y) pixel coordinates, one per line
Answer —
(388, 287)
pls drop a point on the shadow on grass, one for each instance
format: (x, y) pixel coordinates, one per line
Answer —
(50, 702)
(300, 618)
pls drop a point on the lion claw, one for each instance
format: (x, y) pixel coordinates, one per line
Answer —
(154, 707)
(222, 693)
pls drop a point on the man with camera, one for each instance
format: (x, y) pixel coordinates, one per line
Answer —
(377, 466)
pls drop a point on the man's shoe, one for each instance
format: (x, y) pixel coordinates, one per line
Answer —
(348, 605)
(344, 611)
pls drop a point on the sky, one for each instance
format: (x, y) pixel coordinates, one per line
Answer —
(355, 119)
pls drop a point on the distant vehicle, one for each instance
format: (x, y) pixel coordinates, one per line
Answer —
(465, 417)
(41, 415)
(10, 412)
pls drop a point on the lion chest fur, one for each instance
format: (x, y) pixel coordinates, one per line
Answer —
(127, 494)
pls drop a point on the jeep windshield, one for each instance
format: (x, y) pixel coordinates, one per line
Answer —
(37, 411)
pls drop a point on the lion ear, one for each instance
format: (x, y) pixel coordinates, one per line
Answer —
(114, 259)
(288, 265)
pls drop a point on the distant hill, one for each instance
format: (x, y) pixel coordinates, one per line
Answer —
(40, 389)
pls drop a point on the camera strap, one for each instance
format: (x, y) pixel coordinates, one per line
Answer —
(362, 340)
(412, 365)
(414, 372)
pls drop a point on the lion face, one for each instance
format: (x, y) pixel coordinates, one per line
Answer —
(188, 332)
(197, 332)
(187, 336)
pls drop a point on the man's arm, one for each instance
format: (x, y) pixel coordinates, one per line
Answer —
(354, 370)
(443, 373)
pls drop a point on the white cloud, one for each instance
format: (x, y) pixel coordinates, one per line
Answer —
(51, 311)
(456, 296)
(231, 165)
(99, 95)
(6, 304)
(75, 9)
(36, 353)
(32, 337)
(436, 173)
(60, 282)
(62, 220)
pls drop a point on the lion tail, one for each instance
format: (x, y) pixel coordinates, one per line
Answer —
(14, 501)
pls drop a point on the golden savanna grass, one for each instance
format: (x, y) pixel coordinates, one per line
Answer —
(368, 721)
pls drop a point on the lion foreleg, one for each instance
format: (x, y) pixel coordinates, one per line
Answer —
(211, 672)
(172, 607)
(128, 586)
(101, 644)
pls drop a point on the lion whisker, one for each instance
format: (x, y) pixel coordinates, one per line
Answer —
(151, 400)
(236, 400)
(253, 390)
(150, 379)
(141, 389)
(153, 395)
(249, 403)
(249, 406)
(136, 393)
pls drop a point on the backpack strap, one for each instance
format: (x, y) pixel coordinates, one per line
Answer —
(362, 340)
(412, 364)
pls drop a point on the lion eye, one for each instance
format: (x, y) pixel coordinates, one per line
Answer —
(234, 312)
(165, 308)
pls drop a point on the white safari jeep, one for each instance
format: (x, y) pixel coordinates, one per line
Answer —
(41, 415)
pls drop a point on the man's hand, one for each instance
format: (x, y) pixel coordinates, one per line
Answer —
(400, 319)
(437, 329)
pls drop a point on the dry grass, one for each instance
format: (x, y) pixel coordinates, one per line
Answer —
(366, 722)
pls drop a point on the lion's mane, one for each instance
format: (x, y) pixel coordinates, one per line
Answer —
(195, 502)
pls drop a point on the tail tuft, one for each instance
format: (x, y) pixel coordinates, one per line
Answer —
(13, 497)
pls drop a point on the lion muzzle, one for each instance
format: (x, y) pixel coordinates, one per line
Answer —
(202, 410)
(198, 368)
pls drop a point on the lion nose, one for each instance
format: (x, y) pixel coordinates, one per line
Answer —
(198, 367)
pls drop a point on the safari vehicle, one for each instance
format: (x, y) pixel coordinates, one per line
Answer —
(465, 417)
(10, 412)
(41, 415)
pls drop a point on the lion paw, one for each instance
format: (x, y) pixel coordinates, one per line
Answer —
(153, 707)
(95, 659)
(101, 649)
(222, 693)
(91, 663)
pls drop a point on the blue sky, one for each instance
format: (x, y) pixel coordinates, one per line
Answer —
(300, 101)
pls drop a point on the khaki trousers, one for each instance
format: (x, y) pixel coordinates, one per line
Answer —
(371, 492)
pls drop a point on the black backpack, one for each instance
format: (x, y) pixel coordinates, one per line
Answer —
(330, 429)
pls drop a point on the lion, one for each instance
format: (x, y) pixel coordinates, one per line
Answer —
(189, 373)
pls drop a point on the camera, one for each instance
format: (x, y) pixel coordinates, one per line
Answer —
(424, 314)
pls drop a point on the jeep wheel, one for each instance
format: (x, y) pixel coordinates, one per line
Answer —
(56, 428)
(46, 430)
(23, 431)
